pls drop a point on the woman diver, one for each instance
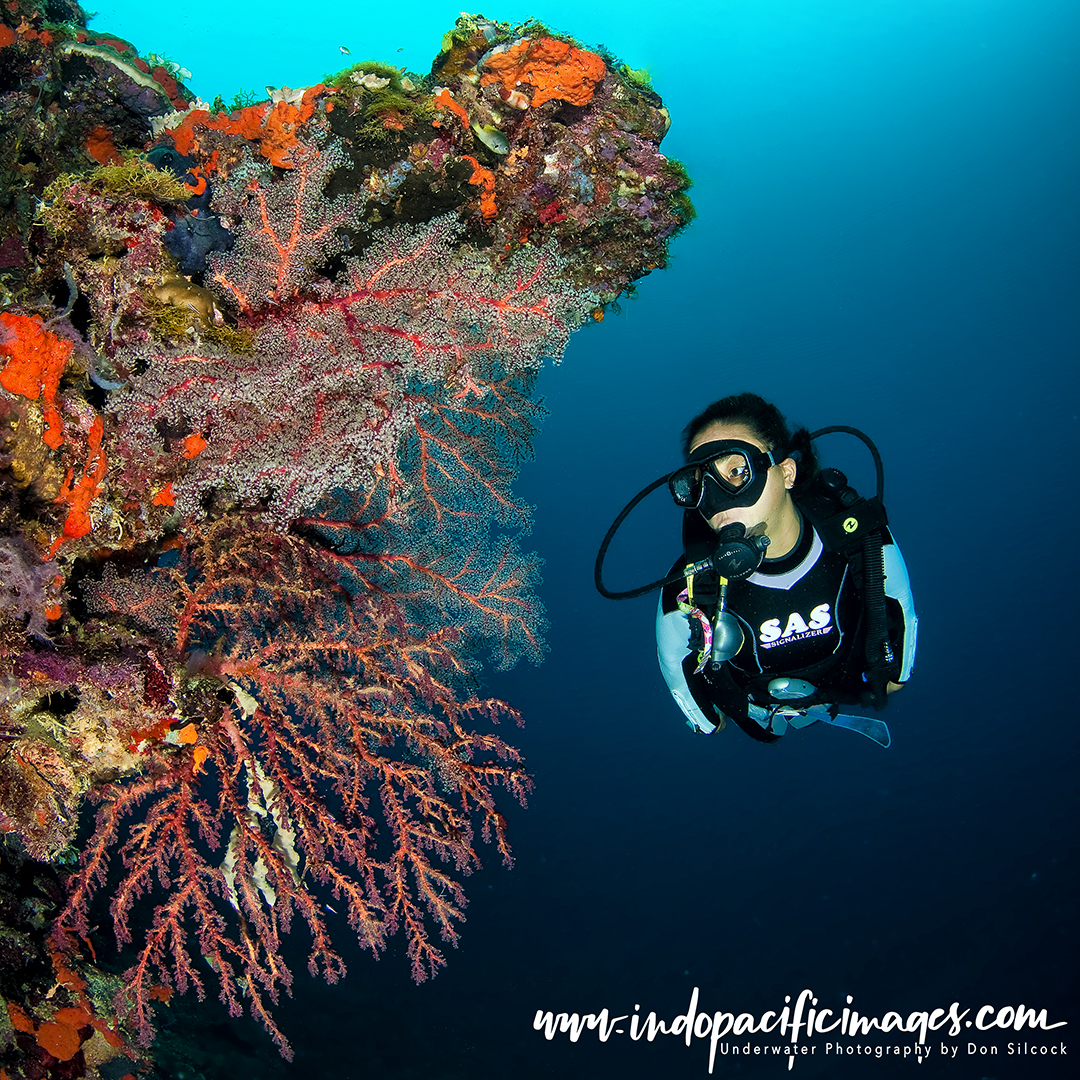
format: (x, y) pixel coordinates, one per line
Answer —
(792, 599)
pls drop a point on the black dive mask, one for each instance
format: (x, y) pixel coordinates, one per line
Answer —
(720, 476)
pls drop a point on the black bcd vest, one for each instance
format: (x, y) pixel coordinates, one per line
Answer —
(855, 528)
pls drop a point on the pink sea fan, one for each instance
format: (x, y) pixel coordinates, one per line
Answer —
(325, 400)
(290, 230)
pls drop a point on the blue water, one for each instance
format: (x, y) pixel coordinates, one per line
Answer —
(887, 238)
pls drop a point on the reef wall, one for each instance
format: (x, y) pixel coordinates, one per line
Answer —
(266, 379)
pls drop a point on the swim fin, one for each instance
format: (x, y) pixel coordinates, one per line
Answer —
(874, 729)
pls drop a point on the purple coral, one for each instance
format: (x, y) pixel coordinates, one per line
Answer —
(23, 580)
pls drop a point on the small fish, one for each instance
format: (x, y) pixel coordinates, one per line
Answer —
(330, 909)
(345, 51)
(492, 138)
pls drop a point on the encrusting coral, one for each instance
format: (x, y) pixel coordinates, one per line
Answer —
(266, 379)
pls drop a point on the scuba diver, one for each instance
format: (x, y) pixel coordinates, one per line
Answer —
(792, 600)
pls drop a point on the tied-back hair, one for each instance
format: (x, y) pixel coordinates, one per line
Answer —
(767, 422)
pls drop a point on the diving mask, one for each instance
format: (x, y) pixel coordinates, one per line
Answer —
(721, 475)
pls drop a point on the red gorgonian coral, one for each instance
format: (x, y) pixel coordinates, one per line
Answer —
(320, 748)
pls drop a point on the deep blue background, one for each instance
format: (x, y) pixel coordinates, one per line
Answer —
(887, 238)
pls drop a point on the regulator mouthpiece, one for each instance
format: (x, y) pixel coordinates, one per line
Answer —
(738, 553)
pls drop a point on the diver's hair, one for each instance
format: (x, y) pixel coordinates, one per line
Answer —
(767, 422)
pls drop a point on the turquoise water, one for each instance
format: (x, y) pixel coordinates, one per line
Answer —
(887, 237)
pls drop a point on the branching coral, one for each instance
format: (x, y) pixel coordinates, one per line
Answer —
(326, 702)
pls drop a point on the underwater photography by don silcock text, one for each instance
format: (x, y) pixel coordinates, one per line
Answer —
(455, 469)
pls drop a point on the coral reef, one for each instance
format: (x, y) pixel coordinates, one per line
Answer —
(56, 1013)
(266, 380)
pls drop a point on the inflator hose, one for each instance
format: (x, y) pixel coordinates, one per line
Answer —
(879, 466)
(876, 625)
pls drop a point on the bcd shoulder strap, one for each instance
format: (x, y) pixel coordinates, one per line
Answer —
(856, 527)
(841, 516)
